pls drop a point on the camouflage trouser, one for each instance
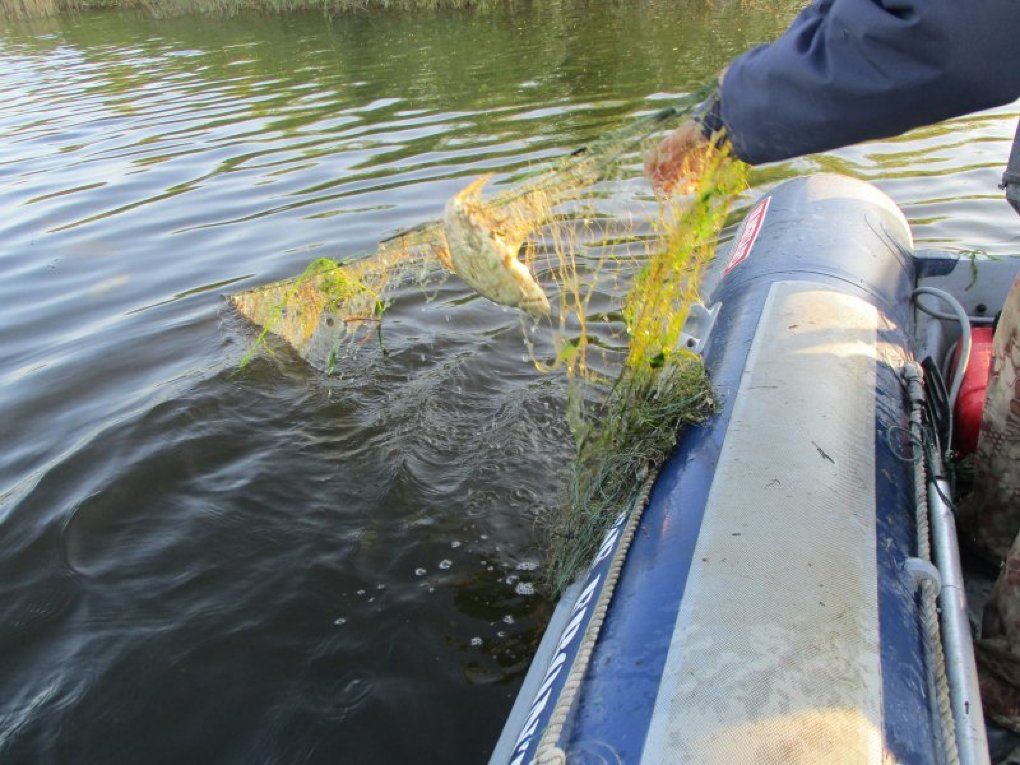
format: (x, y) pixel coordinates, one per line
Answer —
(993, 519)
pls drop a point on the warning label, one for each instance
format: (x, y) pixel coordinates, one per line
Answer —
(748, 234)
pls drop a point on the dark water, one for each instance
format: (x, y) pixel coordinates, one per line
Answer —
(201, 565)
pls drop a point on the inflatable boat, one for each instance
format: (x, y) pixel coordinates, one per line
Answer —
(790, 592)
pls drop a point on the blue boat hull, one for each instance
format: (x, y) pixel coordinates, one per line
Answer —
(759, 610)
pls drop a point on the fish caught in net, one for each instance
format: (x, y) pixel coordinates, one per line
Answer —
(332, 306)
(624, 417)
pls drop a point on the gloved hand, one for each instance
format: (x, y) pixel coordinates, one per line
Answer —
(675, 165)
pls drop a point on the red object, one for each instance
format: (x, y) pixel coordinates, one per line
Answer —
(971, 402)
(748, 234)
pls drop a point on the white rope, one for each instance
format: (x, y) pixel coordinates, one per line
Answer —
(953, 317)
(964, 320)
(549, 752)
(929, 589)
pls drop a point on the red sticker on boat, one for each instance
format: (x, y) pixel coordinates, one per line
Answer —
(748, 234)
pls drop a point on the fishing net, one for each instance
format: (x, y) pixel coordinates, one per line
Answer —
(332, 306)
(634, 420)
(625, 410)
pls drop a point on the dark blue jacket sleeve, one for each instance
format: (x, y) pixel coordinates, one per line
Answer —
(849, 70)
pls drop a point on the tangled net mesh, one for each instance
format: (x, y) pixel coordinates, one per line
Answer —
(332, 306)
(625, 422)
(662, 386)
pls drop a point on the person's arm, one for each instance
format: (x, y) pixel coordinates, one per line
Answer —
(850, 70)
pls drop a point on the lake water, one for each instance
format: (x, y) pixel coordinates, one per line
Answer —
(204, 565)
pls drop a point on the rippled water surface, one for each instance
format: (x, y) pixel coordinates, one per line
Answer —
(199, 564)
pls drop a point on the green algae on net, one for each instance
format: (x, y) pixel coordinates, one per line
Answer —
(330, 304)
(662, 385)
(333, 304)
(624, 427)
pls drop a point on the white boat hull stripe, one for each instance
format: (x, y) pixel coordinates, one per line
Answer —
(775, 653)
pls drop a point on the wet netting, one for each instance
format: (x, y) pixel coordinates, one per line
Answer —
(626, 409)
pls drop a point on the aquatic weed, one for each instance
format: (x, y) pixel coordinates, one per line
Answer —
(662, 385)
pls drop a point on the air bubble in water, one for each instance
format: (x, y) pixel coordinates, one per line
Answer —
(445, 564)
(420, 572)
(476, 641)
(340, 621)
(525, 588)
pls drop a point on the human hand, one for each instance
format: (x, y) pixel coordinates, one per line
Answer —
(676, 164)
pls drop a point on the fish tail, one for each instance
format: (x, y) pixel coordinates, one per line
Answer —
(474, 188)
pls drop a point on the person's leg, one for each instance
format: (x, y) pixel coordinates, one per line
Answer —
(994, 510)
